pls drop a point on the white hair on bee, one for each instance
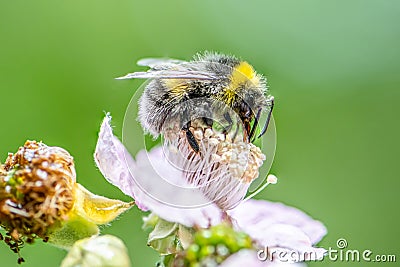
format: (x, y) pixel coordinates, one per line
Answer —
(223, 169)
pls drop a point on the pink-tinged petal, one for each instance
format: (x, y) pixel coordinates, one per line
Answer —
(287, 243)
(112, 159)
(244, 257)
(284, 264)
(249, 258)
(162, 188)
(256, 216)
(153, 182)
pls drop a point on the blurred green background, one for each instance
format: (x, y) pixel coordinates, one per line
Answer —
(333, 67)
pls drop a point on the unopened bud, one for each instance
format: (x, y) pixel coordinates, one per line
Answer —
(98, 251)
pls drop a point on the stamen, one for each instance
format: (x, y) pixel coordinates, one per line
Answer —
(271, 179)
(223, 169)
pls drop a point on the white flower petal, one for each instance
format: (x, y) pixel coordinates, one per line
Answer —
(244, 257)
(255, 216)
(288, 243)
(112, 158)
(162, 188)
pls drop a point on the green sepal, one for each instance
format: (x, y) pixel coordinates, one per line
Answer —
(164, 238)
(72, 230)
(166, 261)
(150, 222)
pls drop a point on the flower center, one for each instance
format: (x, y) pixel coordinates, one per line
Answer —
(223, 168)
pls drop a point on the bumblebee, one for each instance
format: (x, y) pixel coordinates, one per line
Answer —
(180, 92)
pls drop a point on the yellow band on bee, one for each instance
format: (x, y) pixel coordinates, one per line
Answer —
(177, 87)
(243, 70)
(241, 74)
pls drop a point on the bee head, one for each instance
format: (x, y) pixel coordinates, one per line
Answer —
(245, 93)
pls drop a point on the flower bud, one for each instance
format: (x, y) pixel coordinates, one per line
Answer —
(212, 246)
(98, 251)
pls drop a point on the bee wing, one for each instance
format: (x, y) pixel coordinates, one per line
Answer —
(170, 74)
(159, 63)
(168, 68)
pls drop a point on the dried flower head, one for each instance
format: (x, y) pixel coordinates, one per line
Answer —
(36, 189)
(39, 198)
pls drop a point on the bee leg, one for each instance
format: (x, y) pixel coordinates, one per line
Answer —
(238, 125)
(190, 138)
(271, 106)
(230, 123)
(246, 132)
(255, 124)
(236, 132)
